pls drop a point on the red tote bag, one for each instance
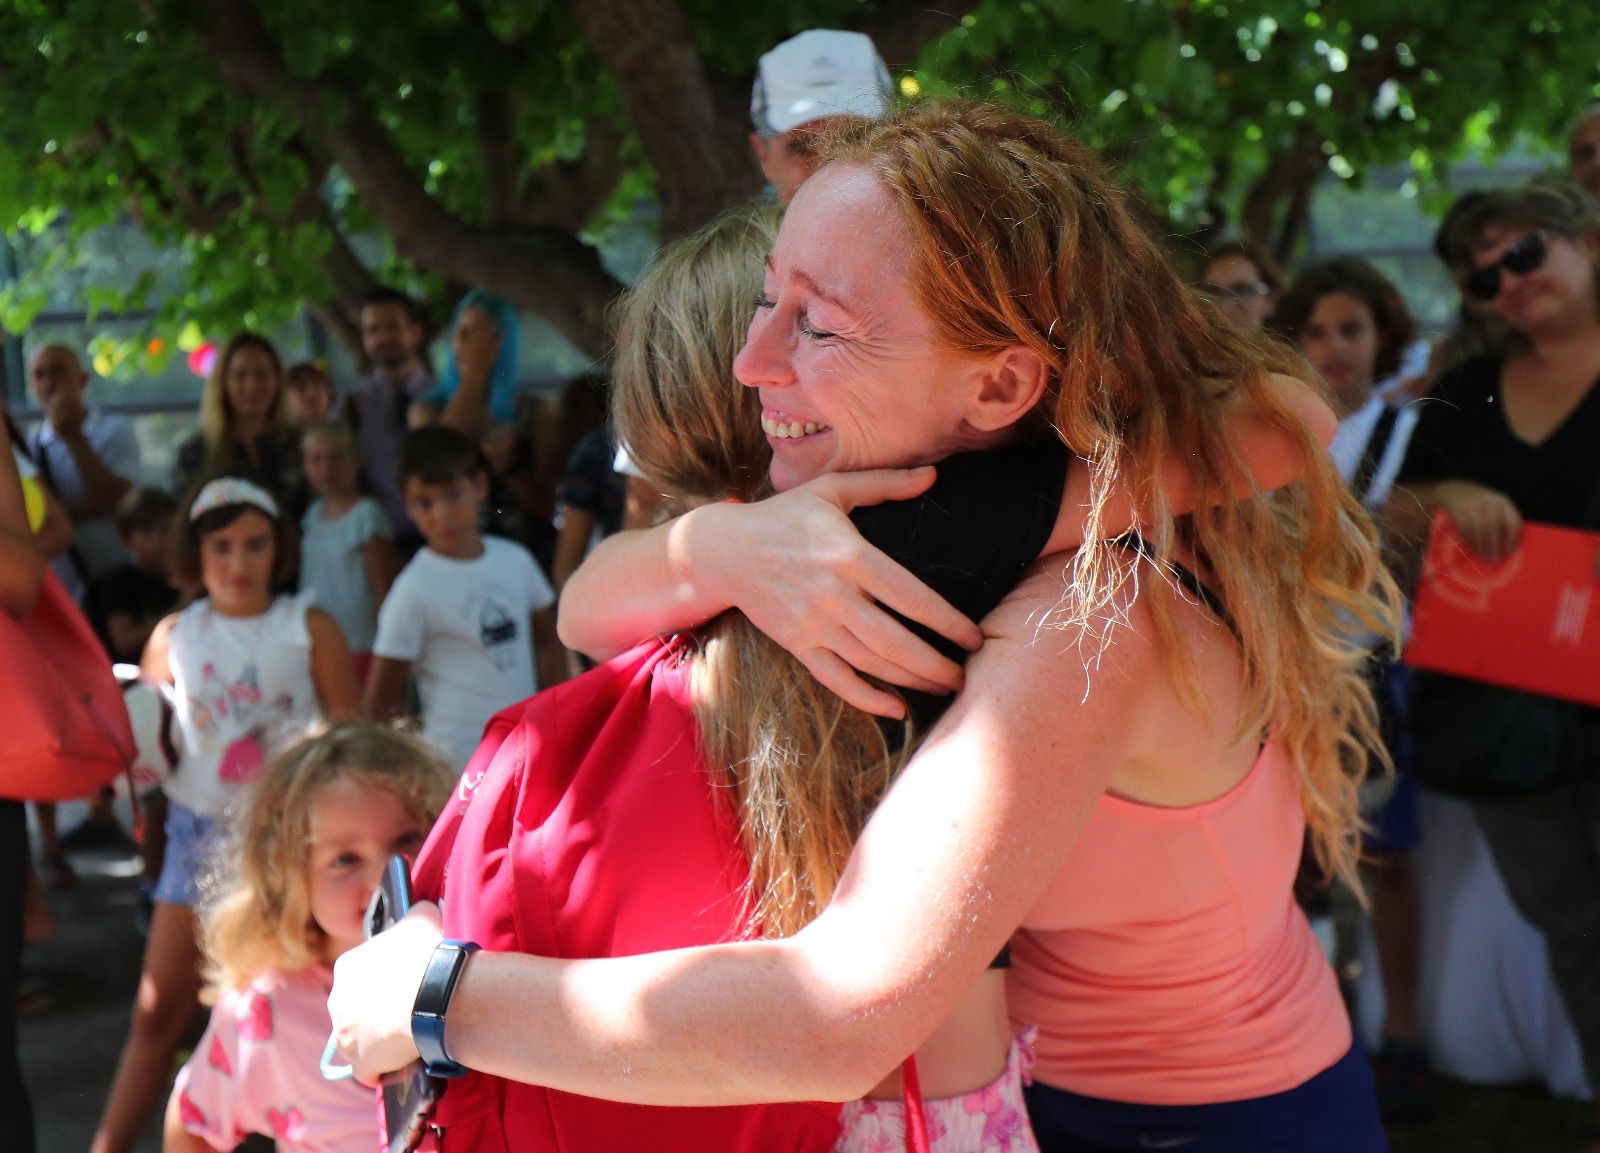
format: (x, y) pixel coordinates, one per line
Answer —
(63, 727)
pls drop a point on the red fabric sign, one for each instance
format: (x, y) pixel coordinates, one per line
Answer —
(1530, 622)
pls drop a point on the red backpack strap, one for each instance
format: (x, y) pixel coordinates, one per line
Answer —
(911, 1099)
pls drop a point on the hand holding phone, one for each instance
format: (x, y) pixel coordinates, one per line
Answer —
(406, 1096)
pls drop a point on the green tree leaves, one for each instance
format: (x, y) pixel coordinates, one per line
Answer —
(490, 141)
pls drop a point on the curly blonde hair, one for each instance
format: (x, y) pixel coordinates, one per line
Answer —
(255, 916)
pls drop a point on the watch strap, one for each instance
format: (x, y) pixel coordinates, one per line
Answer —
(434, 994)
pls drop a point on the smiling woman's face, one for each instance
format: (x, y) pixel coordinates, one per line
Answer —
(851, 371)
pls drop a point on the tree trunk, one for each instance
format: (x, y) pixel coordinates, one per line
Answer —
(545, 270)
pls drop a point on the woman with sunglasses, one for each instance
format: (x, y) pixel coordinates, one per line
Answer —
(1510, 439)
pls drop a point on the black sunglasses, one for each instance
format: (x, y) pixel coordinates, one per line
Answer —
(1525, 255)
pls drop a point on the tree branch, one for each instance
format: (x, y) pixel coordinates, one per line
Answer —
(496, 129)
(649, 49)
(1285, 174)
(552, 274)
(175, 196)
(567, 193)
(495, 107)
(902, 28)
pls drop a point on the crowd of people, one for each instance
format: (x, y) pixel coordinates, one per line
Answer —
(313, 557)
(988, 632)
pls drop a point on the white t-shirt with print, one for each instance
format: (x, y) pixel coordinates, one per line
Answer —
(463, 624)
(243, 690)
(333, 567)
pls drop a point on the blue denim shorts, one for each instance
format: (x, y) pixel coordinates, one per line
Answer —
(189, 840)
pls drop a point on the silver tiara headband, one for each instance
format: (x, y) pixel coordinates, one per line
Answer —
(226, 491)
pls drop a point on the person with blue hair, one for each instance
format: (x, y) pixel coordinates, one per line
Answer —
(479, 386)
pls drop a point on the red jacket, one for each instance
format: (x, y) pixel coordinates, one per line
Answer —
(587, 825)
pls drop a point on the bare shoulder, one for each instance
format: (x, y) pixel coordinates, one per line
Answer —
(1034, 624)
(322, 627)
(154, 663)
(1060, 680)
(161, 635)
(1113, 679)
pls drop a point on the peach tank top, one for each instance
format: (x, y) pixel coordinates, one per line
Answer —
(1167, 963)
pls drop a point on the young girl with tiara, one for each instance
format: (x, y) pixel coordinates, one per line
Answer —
(251, 671)
(301, 864)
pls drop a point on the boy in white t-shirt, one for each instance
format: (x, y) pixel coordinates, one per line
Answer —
(468, 613)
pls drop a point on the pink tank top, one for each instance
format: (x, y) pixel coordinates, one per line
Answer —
(1167, 963)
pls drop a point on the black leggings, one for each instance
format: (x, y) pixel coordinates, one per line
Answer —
(16, 1112)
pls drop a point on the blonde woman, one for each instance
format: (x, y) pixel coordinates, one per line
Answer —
(1130, 785)
(245, 425)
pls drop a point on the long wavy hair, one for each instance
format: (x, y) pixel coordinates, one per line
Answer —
(803, 769)
(1020, 236)
(255, 915)
(216, 412)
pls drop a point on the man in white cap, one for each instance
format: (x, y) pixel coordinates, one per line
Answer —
(805, 82)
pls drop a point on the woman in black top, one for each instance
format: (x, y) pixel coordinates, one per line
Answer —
(1511, 439)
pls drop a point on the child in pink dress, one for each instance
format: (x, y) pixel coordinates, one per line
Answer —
(306, 854)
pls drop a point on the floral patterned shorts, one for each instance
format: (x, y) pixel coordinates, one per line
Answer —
(993, 1119)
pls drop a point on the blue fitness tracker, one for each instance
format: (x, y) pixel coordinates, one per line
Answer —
(433, 1002)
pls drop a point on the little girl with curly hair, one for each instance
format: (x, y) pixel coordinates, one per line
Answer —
(298, 871)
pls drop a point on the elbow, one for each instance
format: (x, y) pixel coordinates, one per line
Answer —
(848, 1050)
(570, 633)
(1308, 404)
(575, 627)
(19, 592)
(853, 1084)
(853, 1066)
(1317, 414)
(19, 603)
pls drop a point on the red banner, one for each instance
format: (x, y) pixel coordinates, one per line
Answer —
(1530, 622)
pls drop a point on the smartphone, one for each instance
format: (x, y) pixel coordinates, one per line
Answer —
(391, 900)
(407, 1096)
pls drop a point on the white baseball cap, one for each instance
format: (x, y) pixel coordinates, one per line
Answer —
(816, 74)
